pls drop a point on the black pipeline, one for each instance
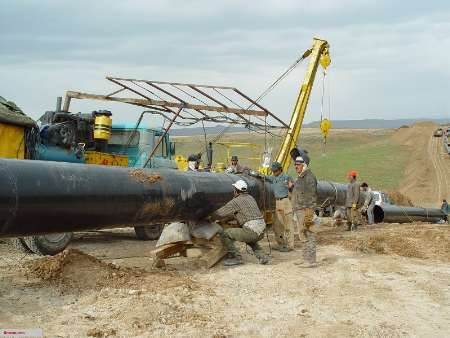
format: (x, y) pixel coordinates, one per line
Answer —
(38, 197)
(331, 193)
(389, 213)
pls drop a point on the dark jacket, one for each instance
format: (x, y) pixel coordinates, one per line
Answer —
(304, 194)
(352, 196)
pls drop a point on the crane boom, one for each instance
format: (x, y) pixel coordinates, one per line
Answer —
(319, 54)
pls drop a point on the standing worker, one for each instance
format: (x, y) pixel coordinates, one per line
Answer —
(194, 162)
(352, 201)
(369, 203)
(283, 225)
(304, 199)
(244, 209)
(445, 207)
(235, 167)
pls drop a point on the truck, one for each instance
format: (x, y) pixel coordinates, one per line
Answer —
(91, 139)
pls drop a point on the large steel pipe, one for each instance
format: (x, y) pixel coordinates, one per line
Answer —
(38, 197)
(331, 193)
(388, 213)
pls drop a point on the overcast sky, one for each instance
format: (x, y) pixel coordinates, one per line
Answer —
(389, 58)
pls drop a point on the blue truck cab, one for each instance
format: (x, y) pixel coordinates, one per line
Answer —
(138, 143)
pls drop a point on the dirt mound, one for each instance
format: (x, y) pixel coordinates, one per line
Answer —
(409, 240)
(424, 182)
(385, 244)
(398, 198)
(409, 136)
(75, 268)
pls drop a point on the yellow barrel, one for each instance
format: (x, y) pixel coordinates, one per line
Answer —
(12, 143)
(220, 167)
(102, 127)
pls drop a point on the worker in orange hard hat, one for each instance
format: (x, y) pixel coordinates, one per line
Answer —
(352, 201)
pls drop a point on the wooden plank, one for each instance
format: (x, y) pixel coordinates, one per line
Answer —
(213, 256)
(168, 250)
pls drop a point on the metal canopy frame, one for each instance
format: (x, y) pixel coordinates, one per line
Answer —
(187, 104)
(198, 103)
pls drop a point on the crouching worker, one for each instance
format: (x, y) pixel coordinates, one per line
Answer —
(244, 209)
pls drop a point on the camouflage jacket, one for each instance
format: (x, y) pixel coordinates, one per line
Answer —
(304, 194)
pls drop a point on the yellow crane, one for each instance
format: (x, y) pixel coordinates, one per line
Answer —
(319, 54)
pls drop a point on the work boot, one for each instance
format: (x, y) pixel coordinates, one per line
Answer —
(263, 259)
(305, 264)
(232, 260)
(282, 248)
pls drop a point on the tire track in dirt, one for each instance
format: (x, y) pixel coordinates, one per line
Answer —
(432, 157)
(442, 164)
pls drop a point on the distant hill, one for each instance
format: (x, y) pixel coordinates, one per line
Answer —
(338, 124)
(374, 123)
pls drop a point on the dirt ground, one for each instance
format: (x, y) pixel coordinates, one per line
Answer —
(382, 281)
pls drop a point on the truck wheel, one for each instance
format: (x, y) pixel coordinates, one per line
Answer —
(51, 244)
(149, 232)
(19, 244)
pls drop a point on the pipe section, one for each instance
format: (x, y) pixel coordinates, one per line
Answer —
(38, 197)
(389, 213)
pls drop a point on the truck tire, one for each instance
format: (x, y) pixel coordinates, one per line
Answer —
(149, 232)
(20, 245)
(48, 245)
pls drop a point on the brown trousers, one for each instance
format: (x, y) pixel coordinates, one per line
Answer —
(305, 222)
(283, 225)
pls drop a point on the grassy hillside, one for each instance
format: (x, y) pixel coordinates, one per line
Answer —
(379, 160)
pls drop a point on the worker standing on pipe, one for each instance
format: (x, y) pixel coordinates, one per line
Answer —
(369, 203)
(304, 200)
(235, 167)
(445, 207)
(244, 209)
(352, 201)
(283, 225)
(194, 162)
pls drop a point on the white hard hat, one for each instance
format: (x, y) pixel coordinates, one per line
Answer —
(240, 185)
(299, 159)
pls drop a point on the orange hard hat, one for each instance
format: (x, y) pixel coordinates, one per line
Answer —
(352, 173)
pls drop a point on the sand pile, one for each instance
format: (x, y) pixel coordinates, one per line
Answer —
(398, 198)
(75, 268)
(409, 240)
(385, 244)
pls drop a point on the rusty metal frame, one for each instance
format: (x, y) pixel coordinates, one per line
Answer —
(197, 104)
(191, 103)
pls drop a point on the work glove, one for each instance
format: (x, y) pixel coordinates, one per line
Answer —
(354, 206)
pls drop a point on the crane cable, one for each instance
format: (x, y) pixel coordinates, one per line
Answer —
(269, 89)
(325, 123)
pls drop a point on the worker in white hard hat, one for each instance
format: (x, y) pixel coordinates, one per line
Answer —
(304, 200)
(244, 209)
